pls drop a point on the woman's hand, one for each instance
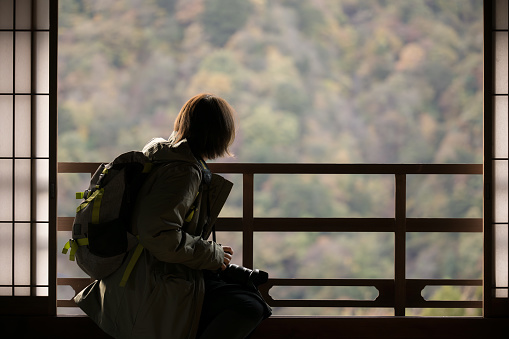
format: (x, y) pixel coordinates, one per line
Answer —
(228, 254)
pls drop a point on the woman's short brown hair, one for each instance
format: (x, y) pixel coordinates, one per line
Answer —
(207, 122)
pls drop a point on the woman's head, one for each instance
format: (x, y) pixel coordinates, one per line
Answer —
(207, 122)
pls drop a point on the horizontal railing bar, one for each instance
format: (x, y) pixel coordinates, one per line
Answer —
(384, 299)
(371, 282)
(334, 224)
(414, 299)
(385, 288)
(444, 282)
(309, 224)
(444, 304)
(77, 284)
(329, 303)
(66, 303)
(267, 168)
(444, 225)
(329, 282)
(323, 282)
(373, 303)
(352, 224)
(324, 225)
(78, 167)
(64, 224)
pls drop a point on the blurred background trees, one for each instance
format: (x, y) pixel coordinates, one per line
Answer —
(350, 81)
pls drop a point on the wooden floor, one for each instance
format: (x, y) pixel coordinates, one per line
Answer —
(77, 327)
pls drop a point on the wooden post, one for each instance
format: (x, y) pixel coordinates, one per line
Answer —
(400, 246)
(247, 220)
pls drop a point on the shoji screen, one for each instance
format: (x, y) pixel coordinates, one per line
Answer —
(501, 155)
(27, 155)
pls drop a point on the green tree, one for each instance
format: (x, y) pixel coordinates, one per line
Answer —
(222, 18)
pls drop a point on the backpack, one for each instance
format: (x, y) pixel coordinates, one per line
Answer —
(101, 231)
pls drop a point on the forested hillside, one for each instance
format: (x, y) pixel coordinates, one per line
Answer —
(317, 81)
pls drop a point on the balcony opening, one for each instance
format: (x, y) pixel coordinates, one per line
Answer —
(331, 83)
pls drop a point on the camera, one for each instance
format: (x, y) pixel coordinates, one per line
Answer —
(244, 276)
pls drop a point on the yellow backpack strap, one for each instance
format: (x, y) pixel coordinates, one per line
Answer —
(73, 244)
(86, 202)
(190, 214)
(66, 247)
(97, 206)
(130, 265)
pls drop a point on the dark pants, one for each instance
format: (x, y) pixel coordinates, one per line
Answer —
(229, 313)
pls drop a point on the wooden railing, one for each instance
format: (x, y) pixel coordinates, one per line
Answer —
(398, 293)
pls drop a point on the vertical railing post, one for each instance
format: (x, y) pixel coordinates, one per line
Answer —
(247, 220)
(400, 246)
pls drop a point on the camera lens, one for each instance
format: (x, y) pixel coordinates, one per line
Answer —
(242, 275)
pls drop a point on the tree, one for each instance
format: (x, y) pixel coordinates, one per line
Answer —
(222, 18)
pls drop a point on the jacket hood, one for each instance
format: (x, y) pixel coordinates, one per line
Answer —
(159, 149)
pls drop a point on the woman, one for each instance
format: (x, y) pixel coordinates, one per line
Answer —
(167, 295)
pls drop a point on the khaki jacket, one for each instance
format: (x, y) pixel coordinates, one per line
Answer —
(164, 294)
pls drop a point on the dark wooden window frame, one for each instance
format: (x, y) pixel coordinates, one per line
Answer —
(20, 319)
(35, 304)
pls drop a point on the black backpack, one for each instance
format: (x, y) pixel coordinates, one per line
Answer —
(101, 232)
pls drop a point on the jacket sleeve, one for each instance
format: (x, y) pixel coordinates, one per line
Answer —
(161, 217)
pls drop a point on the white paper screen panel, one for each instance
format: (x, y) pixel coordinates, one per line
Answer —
(24, 147)
(500, 150)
